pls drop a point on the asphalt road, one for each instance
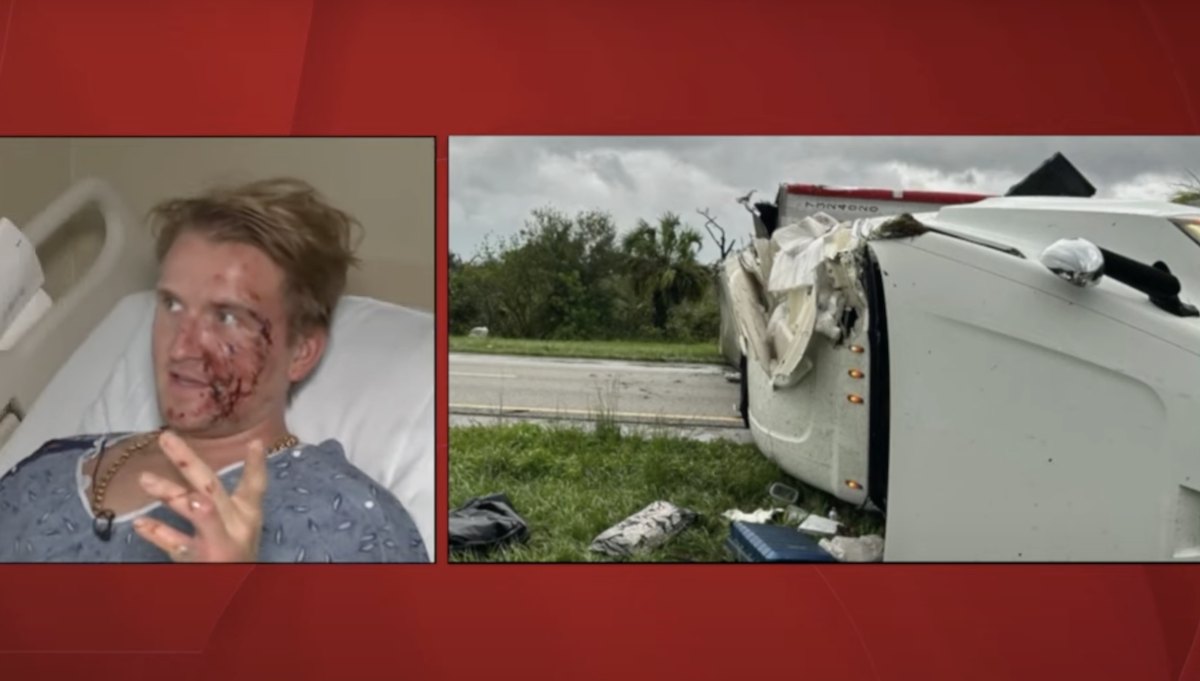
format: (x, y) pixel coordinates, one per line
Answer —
(543, 388)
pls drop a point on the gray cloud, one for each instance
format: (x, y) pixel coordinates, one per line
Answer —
(496, 181)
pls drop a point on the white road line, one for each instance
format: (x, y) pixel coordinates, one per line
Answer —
(552, 411)
(469, 375)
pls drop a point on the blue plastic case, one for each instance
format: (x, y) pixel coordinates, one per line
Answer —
(761, 543)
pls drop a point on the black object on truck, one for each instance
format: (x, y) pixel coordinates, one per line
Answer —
(1055, 177)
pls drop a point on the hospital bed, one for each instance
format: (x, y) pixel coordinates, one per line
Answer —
(84, 366)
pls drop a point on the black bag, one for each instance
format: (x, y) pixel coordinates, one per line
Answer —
(484, 523)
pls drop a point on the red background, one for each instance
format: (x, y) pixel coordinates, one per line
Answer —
(349, 67)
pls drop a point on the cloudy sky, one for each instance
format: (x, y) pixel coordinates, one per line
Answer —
(496, 181)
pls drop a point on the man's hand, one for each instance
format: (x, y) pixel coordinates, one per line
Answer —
(228, 527)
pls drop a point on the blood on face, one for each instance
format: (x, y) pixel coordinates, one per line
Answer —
(214, 329)
(234, 366)
(233, 357)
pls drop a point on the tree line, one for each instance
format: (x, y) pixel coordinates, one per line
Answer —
(566, 277)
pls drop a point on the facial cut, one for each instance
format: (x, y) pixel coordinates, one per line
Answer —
(220, 359)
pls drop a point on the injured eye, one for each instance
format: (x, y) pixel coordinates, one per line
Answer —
(227, 318)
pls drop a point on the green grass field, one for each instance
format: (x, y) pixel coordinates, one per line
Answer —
(571, 485)
(633, 351)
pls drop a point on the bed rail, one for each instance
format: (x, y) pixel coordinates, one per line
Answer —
(123, 266)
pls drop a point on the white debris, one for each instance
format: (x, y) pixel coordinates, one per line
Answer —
(811, 268)
(762, 515)
(815, 524)
(798, 251)
(796, 515)
(733, 376)
(827, 325)
(784, 493)
(790, 339)
(866, 549)
(479, 332)
(649, 528)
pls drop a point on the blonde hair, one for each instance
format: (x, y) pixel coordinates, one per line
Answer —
(289, 221)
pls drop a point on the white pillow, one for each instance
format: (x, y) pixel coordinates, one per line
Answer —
(21, 275)
(373, 392)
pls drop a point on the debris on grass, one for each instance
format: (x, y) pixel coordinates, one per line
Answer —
(817, 525)
(762, 515)
(795, 515)
(647, 529)
(867, 549)
(485, 523)
(828, 529)
(571, 484)
(759, 543)
(784, 494)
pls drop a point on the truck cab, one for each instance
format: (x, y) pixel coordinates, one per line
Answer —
(936, 367)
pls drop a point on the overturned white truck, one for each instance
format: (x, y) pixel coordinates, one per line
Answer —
(1007, 379)
(797, 201)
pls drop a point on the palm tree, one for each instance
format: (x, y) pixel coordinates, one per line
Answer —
(663, 266)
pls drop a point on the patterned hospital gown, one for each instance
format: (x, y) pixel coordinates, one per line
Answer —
(318, 508)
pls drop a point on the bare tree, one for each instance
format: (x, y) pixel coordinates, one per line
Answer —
(717, 233)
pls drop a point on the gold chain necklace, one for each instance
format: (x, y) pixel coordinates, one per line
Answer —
(103, 524)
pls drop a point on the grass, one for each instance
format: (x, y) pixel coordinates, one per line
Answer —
(571, 484)
(634, 351)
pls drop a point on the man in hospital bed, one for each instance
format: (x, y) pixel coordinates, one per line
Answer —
(249, 280)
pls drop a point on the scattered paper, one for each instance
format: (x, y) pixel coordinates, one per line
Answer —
(815, 524)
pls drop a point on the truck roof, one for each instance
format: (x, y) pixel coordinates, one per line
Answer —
(1079, 205)
(944, 198)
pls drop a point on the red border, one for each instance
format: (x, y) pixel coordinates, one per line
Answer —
(371, 67)
(917, 196)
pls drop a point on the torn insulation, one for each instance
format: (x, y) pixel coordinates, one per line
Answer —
(800, 283)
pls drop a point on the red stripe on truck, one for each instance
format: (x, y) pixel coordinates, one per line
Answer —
(944, 198)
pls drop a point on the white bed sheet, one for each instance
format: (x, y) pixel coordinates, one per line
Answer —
(373, 391)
